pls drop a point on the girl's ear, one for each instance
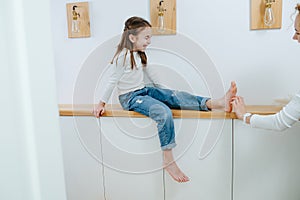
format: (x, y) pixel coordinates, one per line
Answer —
(132, 38)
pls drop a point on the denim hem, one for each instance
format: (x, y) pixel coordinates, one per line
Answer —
(203, 104)
(168, 146)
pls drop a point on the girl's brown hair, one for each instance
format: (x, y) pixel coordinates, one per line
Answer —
(298, 7)
(134, 26)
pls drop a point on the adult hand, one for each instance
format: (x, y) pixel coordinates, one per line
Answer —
(239, 108)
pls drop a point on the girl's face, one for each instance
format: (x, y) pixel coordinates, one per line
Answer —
(297, 29)
(142, 39)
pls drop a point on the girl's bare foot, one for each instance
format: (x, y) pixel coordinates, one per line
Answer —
(171, 167)
(229, 96)
(225, 101)
(175, 172)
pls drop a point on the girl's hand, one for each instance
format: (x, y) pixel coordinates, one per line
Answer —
(238, 105)
(100, 110)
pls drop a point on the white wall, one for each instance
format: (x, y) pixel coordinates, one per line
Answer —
(263, 63)
(31, 155)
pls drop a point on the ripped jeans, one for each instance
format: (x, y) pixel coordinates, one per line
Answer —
(157, 103)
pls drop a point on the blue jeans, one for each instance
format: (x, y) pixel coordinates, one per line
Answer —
(157, 103)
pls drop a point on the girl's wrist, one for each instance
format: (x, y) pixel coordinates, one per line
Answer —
(102, 103)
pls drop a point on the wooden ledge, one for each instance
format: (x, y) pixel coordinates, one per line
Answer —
(115, 110)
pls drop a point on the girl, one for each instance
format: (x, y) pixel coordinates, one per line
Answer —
(283, 119)
(130, 64)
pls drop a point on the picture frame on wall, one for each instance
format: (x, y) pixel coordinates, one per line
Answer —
(163, 17)
(78, 19)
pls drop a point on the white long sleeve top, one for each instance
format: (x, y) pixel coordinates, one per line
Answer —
(125, 78)
(280, 121)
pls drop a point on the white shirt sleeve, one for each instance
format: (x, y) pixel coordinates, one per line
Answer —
(280, 121)
(116, 75)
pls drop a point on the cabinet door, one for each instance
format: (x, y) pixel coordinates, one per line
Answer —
(82, 156)
(266, 163)
(132, 159)
(210, 177)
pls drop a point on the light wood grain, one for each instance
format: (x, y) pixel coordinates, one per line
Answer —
(169, 16)
(115, 110)
(83, 20)
(258, 12)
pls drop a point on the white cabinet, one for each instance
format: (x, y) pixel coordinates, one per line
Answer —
(127, 164)
(132, 159)
(211, 176)
(122, 156)
(266, 163)
(81, 154)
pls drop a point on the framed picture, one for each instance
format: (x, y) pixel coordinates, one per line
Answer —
(78, 20)
(163, 17)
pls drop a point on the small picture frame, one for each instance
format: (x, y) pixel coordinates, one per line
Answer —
(163, 17)
(78, 20)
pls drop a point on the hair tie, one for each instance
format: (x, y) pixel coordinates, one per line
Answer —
(126, 28)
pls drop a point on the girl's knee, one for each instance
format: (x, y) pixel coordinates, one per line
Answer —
(161, 112)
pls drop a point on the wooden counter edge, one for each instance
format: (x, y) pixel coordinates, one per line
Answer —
(117, 111)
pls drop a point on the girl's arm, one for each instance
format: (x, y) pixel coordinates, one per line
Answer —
(112, 82)
(114, 78)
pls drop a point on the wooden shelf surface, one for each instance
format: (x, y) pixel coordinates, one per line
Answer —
(115, 110)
